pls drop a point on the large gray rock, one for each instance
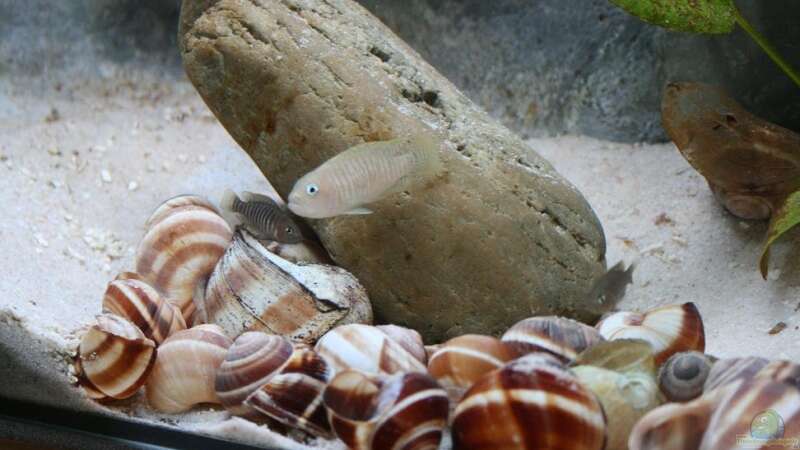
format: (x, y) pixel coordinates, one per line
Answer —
(500, 236)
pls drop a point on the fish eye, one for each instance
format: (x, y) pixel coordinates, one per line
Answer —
(312, 189)
(289, 230)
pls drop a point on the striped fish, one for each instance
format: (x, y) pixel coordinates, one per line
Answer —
(263, 217)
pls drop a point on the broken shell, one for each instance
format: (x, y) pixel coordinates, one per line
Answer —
(185, 369)
(179, 250)
(402, 411)
(293, 396)
(252, 289)
(531, 403)
(140, 303)
(669, 329)
(303, 252)
(368, 349)
(682, 377)
(114, 358)
(463, 360)
(620, 355)
(560, 336)
(625, 398)
(760, 409)
(249, 363)
(726, 371)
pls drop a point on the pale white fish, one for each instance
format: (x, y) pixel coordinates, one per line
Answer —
(364, 174)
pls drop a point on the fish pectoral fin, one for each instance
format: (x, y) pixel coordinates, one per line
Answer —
(359, 211)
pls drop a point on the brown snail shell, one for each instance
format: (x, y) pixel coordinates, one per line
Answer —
(463, 360)
(559, 336)
(368, 349)
(252, 289)
(531, 403)
(374, 412)
(179, 201)
(140, 303)
(185, 370)
(682, 377)
(409, 339)
(179, 250)
(669, 329)
(759, 408)
(729, 370)
(293, 396)
(114, 358)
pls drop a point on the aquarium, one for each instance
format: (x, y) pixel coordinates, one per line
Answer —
(385, 224)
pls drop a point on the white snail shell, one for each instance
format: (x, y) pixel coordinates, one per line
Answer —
(530, 403)
(669, 329)
(185, 370)
(376, 412)
(368, 349)
(140, 303)
(562, 337)
(682, 377)
(252, 289)
(114, 358)
(180, 248)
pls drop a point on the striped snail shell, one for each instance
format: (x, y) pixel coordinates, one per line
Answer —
(140, 303)
(185, 370)
(682, 377)
(530, 403)
(562, 337)
(783, 371)
(114, 358)
(182, 244)
(729, 370)
(293, 396)
(408, 338)
(625, 398)
(669, 329)
(759, 408)
(460, 362)
(368, 349)
(179, 201)
(252, 289)
(407, 410)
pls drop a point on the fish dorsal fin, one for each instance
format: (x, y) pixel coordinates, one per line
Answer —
(228, 200)
(255, 197)
(359, 211)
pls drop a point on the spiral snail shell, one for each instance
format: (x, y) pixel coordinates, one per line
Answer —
(252, 289)
(460, 362)
(729, 370)
(562, 337)
(669, 329)
(530, 403)
(185, 370)
(140, 303)
(682, 377)
(404, 411)
(185, 238)
(114, 358)
(368, 349)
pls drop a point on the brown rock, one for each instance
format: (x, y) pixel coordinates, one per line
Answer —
(500, 236)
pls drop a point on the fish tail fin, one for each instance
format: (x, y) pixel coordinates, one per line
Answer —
(229, 201)
(426, 149)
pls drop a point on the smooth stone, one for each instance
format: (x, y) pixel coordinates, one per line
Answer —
(498, 237)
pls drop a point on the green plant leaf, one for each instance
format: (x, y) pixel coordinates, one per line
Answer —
(696, 16)
(784, 219)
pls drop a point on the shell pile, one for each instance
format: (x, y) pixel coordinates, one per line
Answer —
(213, 316)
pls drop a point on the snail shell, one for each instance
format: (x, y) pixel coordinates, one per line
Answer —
(368, 349)
(463, 360)
(140, 303)
(729, 370)
(409, 339)
(372, 412)
(293, 396)
(669, 329)
(531, 403)
(560, 336)
(620, 355)
(252, 289)
(682, 377)
(179, 201)
(180, 249)
(625, 398)
(114, 358)
(184, 372)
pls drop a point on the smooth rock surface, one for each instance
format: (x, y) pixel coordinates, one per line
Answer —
(498, 237)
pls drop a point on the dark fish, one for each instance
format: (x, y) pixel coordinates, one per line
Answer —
(263, 217)
(610, 288)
